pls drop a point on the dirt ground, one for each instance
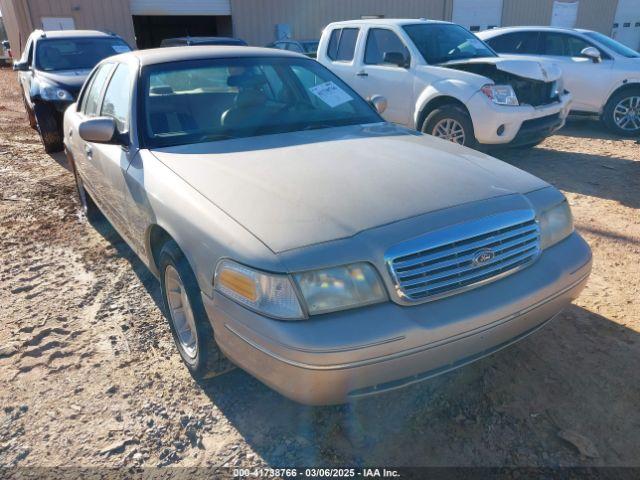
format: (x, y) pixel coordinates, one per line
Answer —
(89, 375)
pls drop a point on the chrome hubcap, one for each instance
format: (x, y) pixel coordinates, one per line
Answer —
(449, 129)
(180, 312)
(627, 113)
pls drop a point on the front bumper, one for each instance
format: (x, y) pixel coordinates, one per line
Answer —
(346, 355)
(488, 118)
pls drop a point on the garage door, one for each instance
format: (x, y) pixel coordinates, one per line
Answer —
(181, 7)
(626, 26)
(477, 14)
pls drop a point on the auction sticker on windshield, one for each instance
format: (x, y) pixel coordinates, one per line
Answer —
(331, 94)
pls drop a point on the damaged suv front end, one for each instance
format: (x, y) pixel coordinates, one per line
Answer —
(527, 100)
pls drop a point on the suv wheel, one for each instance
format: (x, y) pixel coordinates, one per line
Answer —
(188, 321)
(50, 131)
(622, 112)
(450, 122)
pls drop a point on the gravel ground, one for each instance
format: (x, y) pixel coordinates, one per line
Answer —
(90, 376)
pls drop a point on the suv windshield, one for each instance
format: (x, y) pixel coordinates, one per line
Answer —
(610, 43)
(76, 53)
(445, 42)
(216, 99)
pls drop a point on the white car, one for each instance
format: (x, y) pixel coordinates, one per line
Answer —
(439, 78)
(602, 75)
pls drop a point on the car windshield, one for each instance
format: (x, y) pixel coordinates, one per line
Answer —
(310, 47)
(445, 42)
(76, 53)
(611, 44)
(216, 99)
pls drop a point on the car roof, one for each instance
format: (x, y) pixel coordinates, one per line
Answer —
(387, 21)
(499, 30)
(73, 34)
(155, 56)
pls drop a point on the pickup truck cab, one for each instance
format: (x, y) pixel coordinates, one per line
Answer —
(439, 78)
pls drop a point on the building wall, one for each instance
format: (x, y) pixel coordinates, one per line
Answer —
(592, 14)
(255, 20)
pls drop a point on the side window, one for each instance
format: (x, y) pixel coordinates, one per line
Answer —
(116, 98)
(342, 44)
(553, 44)
(381, 41)
(575, 45)
(516, 42)
(91, 100)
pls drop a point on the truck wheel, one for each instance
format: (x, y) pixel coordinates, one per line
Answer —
(622, 112)
(188, 321)
(30, 115)
(50, 131)
(450, 122)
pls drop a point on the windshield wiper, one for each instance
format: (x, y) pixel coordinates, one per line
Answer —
(317, 126)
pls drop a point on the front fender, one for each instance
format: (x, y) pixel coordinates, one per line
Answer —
(457, 89)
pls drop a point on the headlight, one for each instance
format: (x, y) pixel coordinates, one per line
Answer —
(340, 288)
(51, 92)
(556, 224)
(500, 94)
(270, 294)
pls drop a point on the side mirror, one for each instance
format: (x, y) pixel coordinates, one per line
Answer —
(593, 53)
(379, 103)
(21, 66)
(395, 58)
(98, 130)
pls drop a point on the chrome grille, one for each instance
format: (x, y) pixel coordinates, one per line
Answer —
(464, 256)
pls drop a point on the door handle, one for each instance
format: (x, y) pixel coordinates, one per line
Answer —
(362, 73)
(88, 151)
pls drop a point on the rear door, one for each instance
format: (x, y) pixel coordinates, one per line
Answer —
(82, 151)
(340, 53)
(112, 160)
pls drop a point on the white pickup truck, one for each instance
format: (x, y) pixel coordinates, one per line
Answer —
(439, 78)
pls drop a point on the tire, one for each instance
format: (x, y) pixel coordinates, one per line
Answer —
(88, 207)
(628, 98)
(201, 354)
(437, 120)
(48, 127)
(30, 115)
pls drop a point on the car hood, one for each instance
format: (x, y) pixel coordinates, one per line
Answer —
(301, 188)
(536, 70)
(71, 80)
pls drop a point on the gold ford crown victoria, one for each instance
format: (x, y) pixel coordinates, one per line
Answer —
(328, 253)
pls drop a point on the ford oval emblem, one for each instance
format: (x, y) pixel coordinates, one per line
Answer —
(483, 256)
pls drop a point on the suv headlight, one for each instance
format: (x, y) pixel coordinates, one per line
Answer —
(340, 288)
(557, 89)
(53, 93)
(556, 224)
(270, 294)
(501, 94)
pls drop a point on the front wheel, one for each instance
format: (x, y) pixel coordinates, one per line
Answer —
(48, 128)
(452, 123)
(188, 321)
(622, 113)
